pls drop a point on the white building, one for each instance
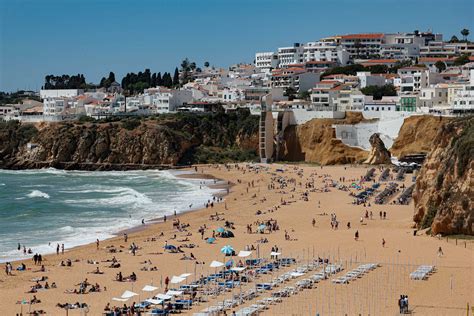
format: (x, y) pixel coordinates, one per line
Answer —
(168, 100)
(367, 79)
(232, 95)
(294, 77)
(435, 96)
(362, 45)
(464, 99)
(266, 60)
(60, 93)
(290, 55)
(56, 106)
(325, 51)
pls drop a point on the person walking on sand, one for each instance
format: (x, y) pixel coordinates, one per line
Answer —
(97, 243)
(57, 249)
(314, 222)
(62, 249)
(440, 252)
(383, 243)
(356, 235)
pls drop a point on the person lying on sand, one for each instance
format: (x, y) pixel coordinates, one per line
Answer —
(96, 271)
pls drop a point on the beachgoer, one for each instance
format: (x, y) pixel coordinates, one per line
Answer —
(440, 252)
(356, 235)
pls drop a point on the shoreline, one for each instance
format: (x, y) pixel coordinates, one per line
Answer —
(189, 173)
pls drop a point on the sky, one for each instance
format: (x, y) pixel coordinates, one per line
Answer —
(94, 37)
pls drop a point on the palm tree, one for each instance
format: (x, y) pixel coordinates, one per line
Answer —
(465, 33)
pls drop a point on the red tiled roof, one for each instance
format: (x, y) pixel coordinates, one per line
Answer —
(432, 59)
(363, 36)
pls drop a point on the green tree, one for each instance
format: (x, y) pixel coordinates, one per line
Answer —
(440, 65)
(290, 93)
(379, 92)
(206, 64)
(176, 77)
(111, 77)
(304, 95)
(461, 60)
(454, 39)
(465, 33)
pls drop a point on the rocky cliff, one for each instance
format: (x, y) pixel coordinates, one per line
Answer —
(130, 143)
(443, 195)
(417, 134)
(315, 141)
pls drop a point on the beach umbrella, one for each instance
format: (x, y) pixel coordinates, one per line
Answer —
(185, 275)
(262, 227)
(174, 293)
(149, 288)
(227, 250)
(128, 294)
(210, 240)
(170, 247)
(228, 234)
(216, 264)
(177, 279)
(154, 301)
(163, 297)
(243, 253)
(220, 230)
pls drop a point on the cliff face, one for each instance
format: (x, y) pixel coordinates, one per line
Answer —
(417, 135)
(443, 195)
(315, 141)
(164, 141)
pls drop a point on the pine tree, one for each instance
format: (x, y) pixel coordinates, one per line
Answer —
(176, 77)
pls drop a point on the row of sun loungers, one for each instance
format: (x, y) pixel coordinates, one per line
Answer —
(405, 197)
(277, 296)
(355, 273)
(422, 273)
(369, 176)
(383, 196)
(384, 175)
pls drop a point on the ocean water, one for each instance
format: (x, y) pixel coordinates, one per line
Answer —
(40, 208)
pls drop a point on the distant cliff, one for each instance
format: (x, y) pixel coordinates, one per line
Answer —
(131, 143)
(443, 195)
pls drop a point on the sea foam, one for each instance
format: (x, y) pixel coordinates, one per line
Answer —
(38, 194)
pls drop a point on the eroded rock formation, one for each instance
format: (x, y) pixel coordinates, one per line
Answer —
(378, 154)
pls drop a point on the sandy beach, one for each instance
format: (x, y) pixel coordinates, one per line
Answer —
(290, 197)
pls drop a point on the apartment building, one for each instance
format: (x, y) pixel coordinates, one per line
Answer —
(294, 77)
(362, 45)
(325, 52)
(434, 96)
(290, 55)
(266, 60)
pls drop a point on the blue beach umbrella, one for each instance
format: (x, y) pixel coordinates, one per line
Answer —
(210, 240)
(170, 247)
(227, 250)
(220, 230)
(262, 227)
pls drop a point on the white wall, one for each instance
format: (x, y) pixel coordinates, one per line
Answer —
(60, 93)
(388, 126)
(301, 116)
